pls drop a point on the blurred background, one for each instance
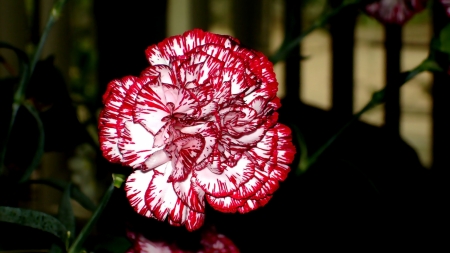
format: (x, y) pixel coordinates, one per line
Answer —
(326, 79)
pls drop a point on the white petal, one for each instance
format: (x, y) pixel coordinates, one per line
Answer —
(227, 182)
(136, 144)
(135, 188)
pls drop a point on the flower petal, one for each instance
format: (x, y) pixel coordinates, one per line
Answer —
(108, 134)
(135, 189)
(191, 194)
(155, 57)
(160, 197)
(194, 220)
(209, 132)
(252, 204)
(185, 151)
(225, 204)
(227, 182)
(248, 189)
(136, 145)
(150, 107)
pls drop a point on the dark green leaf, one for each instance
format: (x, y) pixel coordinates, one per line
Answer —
(75, 192)
(290, 43)
(431, 65)
(65, 214)
(40, 148)
(24, 73)
(34, 219)
(444, 38)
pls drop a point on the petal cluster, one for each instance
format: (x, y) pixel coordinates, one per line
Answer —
(395, 11)
(199, 123)
(211, 242)
(446, 4)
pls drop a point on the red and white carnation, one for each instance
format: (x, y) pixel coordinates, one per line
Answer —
(395, 11)
(446, 4)
(211, 242)
(200, 122)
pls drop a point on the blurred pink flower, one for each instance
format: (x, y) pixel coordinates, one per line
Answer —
(211, 242)
(446, 4)
(395, 11)
(200, 122)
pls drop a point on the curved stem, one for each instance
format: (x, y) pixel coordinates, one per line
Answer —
(79, 241)
(377, 99)
(287, 46)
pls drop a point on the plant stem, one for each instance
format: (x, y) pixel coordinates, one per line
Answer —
(287, 46)
(377, 99)
(19, 95)
(54, 15)
(78, 244)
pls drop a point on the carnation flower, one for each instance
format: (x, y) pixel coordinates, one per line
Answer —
(446, 4)
(211, 242)
(199, 123)
(395, 11)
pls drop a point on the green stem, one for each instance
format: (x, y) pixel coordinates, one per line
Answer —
(287, 45)
(78, 244)
(41, 139)
(19, 95)
(377, 99)
(54, 15)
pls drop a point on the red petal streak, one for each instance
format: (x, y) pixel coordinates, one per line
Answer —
(150, 107)
(108, 138)
(209, 133)
(227, 182)
(192, 195)
(236, 79)
(173, 46)
(186, 103)
(136, 144)
(179, 213)
(225, 204)
(135, 188)
(155, 57)
(194, 220)
(196, 38)
(268, 189)
(108, 133)
(184, 151)
(251, 204)
(160, 196)
(211, 65)
(248, 189)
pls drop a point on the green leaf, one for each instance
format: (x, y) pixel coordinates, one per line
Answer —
(78, 244)
(431, 65)
(290, 43)
(118, 180)
(65, 214)
(34, 219)
(24, 73)
(75, 192)
(40, 148)
(444, 38)
(24, 61)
